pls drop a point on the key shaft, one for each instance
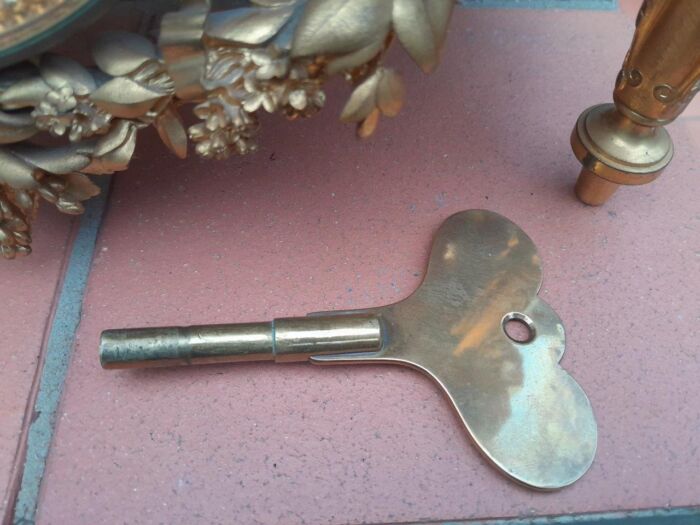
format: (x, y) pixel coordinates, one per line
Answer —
(283, 340)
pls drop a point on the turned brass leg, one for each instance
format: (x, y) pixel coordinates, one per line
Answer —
(625, 143)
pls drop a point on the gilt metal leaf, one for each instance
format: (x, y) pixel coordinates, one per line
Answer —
(27, 92)
(16, 172)
(369, 125)
(80, 186)
(16, 126)
(252, 26)
(172, 132)
(420, 26)
(112, 140)
(114, 151)
(274, 3)
(363, 99)
(125, 98)
(390, 93)
(119, 53)
(59, 71)
(330, 27)
(118, 159)
(59, 160)
(25, 200)
(354, 59)
(439, 13)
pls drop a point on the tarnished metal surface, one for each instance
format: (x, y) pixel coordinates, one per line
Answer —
(523, 411)
(282, 340)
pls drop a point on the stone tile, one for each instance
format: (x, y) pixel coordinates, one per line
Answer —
(316, 220)
(27, 288)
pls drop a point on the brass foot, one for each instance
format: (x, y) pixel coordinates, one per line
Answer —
(615, 150)
(625, 143)
(592, 189)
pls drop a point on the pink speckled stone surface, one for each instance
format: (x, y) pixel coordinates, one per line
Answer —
(27, 290)
(317, 221)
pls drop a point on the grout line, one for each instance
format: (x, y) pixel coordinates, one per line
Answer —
(591, 5)
(59, 348)
(21, 448)
(657, 516)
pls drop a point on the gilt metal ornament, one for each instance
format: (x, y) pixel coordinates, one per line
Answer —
(272, 56)
(626, 143)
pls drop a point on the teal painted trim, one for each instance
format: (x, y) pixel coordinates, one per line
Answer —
(663, 516)
(595, 5)
(53, 34)
(59, 348)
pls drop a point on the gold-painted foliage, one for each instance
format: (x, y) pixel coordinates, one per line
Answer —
(16, 126)
(335, 27)
(59, 72)
(273, 55)
(382, 92)
(125, 98)
(172, 132)
(251, 26)
(119, 53)
(25, 93)
(420, 26)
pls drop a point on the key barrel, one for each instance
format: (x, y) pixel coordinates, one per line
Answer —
(282, 340)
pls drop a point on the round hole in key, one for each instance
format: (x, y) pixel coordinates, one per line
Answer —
(519, 327)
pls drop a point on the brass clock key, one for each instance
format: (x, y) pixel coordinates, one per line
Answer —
(521, 409)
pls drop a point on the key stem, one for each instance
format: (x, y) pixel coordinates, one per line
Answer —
(282, 340)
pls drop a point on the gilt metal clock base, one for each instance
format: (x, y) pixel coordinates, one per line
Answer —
(522, 410)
